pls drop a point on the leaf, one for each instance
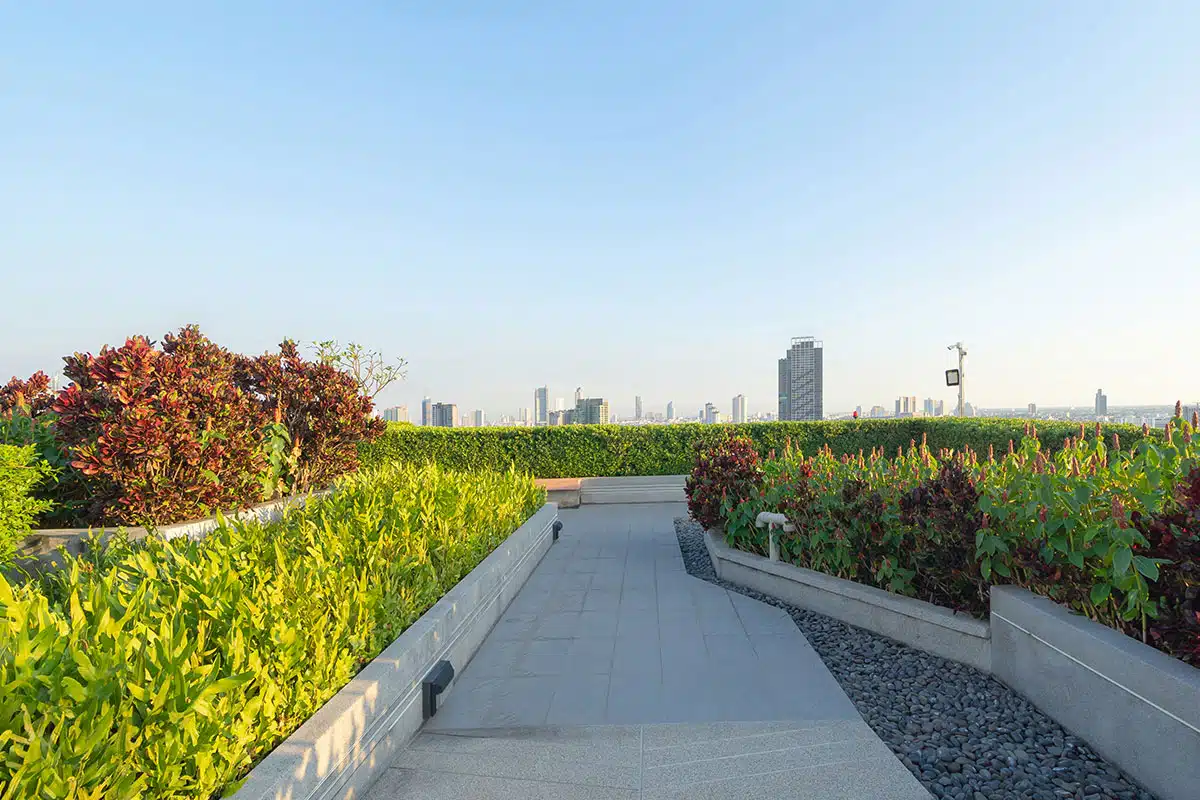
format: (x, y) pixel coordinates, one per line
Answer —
(1121, 560)
(1147, 567)
(1100, 593)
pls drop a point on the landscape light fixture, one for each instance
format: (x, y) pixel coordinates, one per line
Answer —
(954, 377)
(434, 684)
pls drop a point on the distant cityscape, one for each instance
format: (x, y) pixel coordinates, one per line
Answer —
(801, 397)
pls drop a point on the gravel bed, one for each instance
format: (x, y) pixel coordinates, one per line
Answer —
(962, 733)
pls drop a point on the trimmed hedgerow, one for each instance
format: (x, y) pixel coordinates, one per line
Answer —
(576, 451)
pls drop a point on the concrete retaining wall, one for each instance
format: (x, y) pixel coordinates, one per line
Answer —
(339, 752)
(639, 489)
(1136, 706)
(914, 622)
(40, 550)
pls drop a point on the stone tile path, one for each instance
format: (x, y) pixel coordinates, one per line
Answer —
(615, 674)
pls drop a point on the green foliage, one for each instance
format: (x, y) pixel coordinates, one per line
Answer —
(166, 669)
(20, 473)
(1104, 529)
(577, 451)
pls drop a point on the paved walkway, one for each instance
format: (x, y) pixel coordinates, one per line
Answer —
(615, 674)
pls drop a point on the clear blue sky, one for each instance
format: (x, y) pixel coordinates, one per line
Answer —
(639, 198)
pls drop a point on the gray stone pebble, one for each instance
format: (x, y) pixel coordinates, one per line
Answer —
(963, 734)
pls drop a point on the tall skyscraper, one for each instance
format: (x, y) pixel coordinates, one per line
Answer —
(479, 423)
(590, 411)
(1101, 403)
(443, 415)
(928, 407)
(525, 416)
(710, 414)
(637, 407)
(1033, 409)
(426, 411)
(739, 408)
(939, 408)
(396, 414)
(560, 404)
(670, 411)
(540, 398)
(801, 379)
(578, 394)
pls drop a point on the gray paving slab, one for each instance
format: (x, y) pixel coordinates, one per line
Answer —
(611, 644)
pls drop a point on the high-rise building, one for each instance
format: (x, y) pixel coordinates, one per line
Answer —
(670, 411)
(928, 407)
(563, 417)
(578, 394)
(899, 406)
(426, 411)
(637, 407)
(443, 415)
(479, 423)
(540, 398)
(524, 417)
(396, 414)
(1033, 409)
(710, 414)
(1101, 403)
(590, 411)
(739, 408)
(801, 389)
(878, 411)
(560, 404)
(939, 408)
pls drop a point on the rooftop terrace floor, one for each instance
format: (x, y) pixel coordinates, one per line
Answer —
(615, 674)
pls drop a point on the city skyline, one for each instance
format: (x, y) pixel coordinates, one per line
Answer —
(496, 198)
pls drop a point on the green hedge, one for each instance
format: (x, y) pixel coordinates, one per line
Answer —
(576, 451)
(167, 669)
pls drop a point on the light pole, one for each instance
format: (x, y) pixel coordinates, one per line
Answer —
(955, 377)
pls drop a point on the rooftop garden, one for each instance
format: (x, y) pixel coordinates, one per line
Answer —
(1103, 525)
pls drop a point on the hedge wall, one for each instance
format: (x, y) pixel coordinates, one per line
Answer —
(576, 451)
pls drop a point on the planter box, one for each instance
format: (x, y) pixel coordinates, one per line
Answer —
(1136, 706)
(914, 622)
(340, 751)
(40, 550)
(635, 489)
(564, 492)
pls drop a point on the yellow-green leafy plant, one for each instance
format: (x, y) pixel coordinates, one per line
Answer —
(167, 669)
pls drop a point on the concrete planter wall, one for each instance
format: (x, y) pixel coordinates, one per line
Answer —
(40, 550)
(573, 492)
(914, 622)
(339, 752)
(1136, 706)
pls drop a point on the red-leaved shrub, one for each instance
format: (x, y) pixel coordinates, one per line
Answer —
(725, 473)
(162, 435)
(1174, 535)
(322, 409)
(33, 396)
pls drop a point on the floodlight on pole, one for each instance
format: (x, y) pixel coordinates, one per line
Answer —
(956, 377)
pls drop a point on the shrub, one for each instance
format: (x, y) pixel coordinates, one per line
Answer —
(1113, 533)
(33, 395)
(323, 414)
(724, 476)
(576, 451)
(167, 669)
(161, 435)
(20, 473)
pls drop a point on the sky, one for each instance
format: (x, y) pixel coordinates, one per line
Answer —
(638, 198)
